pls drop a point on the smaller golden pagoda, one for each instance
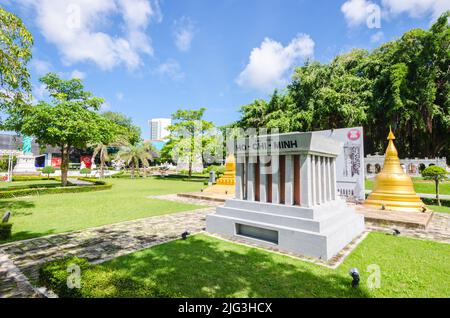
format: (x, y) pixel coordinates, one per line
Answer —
(393, 188)
(226, 183)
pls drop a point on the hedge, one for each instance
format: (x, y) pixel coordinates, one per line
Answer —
(34, 178)
(433, 201)
(95, 281)
(25, 191)
(5, 231)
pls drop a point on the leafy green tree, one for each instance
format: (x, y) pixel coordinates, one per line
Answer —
(404, 83)
(133, 155)
(48, 170)
(129, 131)
(69, 121)
(15, 53)
(188, 135)
(437, 174)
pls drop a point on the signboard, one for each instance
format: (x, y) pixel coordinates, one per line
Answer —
(87, 161)
(56, 162)
(350, 162)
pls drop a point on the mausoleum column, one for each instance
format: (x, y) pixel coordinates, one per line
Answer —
(263, 179)
(333, 179)
(251, 180)
(328, 178)
(275, 166)
(313, 179)
(318, 180)
(240, 178)
(324, 182)
(289, 181)
(305, 181)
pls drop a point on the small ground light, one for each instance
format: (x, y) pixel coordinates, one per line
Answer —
(184, 235)
(354, 273)
(6, 217)
(396, 232)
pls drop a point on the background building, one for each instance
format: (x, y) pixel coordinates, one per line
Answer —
(158, 128)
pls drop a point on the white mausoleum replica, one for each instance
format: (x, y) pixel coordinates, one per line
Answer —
(286, 196)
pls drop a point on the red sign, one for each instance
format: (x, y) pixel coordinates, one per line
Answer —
(353, 134)
(87, 161)
(56, 162)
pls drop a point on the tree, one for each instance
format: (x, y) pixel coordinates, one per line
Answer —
(69, 121)
(436, 174)
(404, 83)
(135, 154)
(129, 131)
(48, 170)
(15, 53)
(188, 135)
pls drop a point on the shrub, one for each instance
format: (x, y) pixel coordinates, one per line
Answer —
(48, 170)
(33, 178)
(53, 189)
(219, 170)
(5, 231)
(96, 281)
(85, 171)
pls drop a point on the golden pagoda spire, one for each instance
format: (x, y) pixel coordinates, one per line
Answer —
(393, 188)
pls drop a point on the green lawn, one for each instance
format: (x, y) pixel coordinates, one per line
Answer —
(203, 266)
(127, 200)
(421, 186)
(437, 208)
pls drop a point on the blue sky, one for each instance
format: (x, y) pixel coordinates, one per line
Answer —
(148, 58)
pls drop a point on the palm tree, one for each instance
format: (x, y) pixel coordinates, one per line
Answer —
(101, 149)
(133, 154)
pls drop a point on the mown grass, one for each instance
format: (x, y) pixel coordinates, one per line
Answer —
(421, 186)
(203, 266)
(127, 200)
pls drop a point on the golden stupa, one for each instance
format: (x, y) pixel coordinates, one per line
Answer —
(393, 188)
(226, 183)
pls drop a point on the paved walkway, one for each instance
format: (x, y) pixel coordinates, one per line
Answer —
(96, 244)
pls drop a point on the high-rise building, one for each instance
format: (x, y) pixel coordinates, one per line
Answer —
(158, 128)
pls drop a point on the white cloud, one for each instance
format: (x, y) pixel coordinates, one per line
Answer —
(417, 8)
(74, 26)
(269, 64)
(171, 69)
(377, 37)
(41, 67)
(183, 33)
(356, 11)
(78, 74)
(120, 96)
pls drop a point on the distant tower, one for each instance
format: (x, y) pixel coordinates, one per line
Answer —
(159, 128)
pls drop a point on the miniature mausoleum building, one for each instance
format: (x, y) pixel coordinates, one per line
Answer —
(286, 196)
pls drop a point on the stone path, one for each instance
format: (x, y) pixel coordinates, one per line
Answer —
(437, 230)
(13, 284)
(79, 182)
(96, 244)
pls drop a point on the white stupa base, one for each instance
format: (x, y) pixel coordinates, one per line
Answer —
(320, 231)
(25, 165)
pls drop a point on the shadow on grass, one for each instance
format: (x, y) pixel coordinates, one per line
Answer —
(16, 204)
(202, 267)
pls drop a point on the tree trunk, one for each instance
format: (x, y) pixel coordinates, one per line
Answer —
(101, 167)
(437, 191)
(132, 171)
(190, 168)
(64, 164)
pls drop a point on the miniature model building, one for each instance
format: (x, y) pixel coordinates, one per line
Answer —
(393, 188)
(225, 184)
(287, 196)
